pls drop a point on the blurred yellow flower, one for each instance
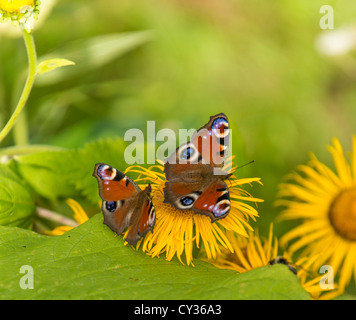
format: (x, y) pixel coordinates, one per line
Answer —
(15, 5)
(176, 231)
(24, 12)
(9, 31)
(255, 252)
(326, 203)
(248, 253)
(79, 216)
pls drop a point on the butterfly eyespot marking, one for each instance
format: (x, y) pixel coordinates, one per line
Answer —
(188, 152)
(220, 127)
(221, 208)
(188, 201)
(106, 172)
(151, 216)
(112, 206)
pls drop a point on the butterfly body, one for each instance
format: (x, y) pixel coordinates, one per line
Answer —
(124, 203)
(195, 179)
(281, 260)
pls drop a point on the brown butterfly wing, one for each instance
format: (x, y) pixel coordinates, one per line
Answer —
(212, 140)
(143, 220)
(118, 214)
(197, 189)
(182, 181)
(113, 184)
(123, 202)
(192, 182)
(214, 201)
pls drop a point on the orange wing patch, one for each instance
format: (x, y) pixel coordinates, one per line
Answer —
(113, 190)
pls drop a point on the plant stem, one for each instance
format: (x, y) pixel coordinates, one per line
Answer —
(20, 129)
(21, 150)
(32, 63)
(56, 217)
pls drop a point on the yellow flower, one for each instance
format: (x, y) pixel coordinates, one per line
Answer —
(249, 253)
(326, 203)
(79, 216)
(15, 5)
(176, 232)
(20, 11)
(255, 252)
(8, 30)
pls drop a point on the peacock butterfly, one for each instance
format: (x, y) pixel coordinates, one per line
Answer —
(124, 203)
(195, 179)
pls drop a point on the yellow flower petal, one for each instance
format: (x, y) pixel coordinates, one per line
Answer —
(79, 214)
(177, 232)
(326, 203)
(15, 5)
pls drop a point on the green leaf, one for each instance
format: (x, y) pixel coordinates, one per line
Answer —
(55, 174)
(93, 53)
(80, 174)
(346, 296)
(90, 262)
(16, 200)
(43, 171)
(52, 64)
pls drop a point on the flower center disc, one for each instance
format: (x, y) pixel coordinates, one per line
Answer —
(15, 6)
(342, 214)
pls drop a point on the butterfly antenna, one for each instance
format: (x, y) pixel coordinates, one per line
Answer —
(245, 164)
(227, 176)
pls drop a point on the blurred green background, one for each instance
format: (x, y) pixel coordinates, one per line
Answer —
(256, 61)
